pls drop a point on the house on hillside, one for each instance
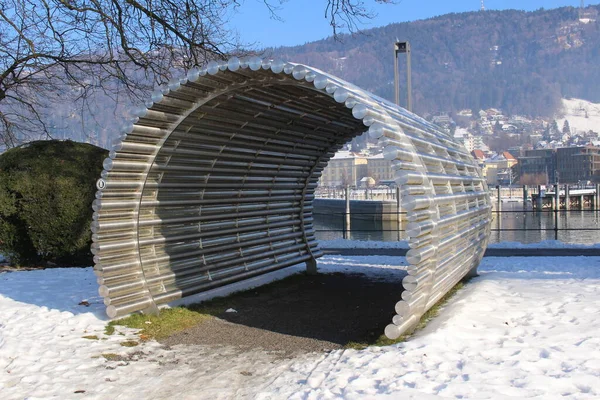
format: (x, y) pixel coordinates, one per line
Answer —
(499, 169)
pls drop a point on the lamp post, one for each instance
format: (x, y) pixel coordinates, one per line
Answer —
(403, 47)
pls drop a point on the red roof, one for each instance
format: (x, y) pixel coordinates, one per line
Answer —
(508, 156)
(478, 154)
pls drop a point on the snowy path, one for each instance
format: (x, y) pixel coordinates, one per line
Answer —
(527, 328)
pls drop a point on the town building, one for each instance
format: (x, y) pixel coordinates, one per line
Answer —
(379, 168)
(563, 165)
(498, 170)
(344, 169)
(537, 167)
(357, 170)
(575, 164)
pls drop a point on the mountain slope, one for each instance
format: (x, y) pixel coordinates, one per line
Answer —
(522, 62)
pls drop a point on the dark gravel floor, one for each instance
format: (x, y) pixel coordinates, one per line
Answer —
(300, 314)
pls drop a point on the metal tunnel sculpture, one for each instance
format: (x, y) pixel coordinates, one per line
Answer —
(213, 182)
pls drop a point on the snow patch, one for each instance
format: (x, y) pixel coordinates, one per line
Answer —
(575, 111)
(526, 328)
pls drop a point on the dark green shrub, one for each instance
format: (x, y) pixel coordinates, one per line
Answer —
(46, 194)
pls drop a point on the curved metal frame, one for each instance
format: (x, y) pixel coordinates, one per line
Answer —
(213, 182)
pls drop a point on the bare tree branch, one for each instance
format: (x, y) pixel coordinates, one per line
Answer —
(54, 52)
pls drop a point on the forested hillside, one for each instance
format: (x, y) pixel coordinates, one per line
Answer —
(521, 62)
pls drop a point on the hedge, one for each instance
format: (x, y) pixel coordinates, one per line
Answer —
(46, 194)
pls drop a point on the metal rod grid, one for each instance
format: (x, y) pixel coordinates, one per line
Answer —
(214, 182)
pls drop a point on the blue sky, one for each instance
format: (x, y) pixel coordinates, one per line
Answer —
(303, 20)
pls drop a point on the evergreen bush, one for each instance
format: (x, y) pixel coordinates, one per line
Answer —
(46, 194)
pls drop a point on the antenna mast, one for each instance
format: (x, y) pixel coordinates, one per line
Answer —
(483, 5)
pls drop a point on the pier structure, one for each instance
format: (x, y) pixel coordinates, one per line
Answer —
(565, 199)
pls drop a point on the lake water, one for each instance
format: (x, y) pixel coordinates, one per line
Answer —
(513, 224)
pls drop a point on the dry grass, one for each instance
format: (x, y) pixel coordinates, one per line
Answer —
(169, 321)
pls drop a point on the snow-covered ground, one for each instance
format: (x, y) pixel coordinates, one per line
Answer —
(526, 328)
(575, 111)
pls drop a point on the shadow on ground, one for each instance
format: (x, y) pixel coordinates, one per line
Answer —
(300, 314)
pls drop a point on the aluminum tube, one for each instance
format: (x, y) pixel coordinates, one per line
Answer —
(192, 264)
(170, 278)
(122, 288)
(128, 298)
(411, 203)
(416, 242)
(411, 282)
(405, 308)
(222, 210)
(421, 202)
(107, 280)
(189, 248)
(298, 135)
(449, 281)
(212, 185)
(230, 154)
(283, 126)
(393, 331)
(416, 256)
(170, 296)
(378, 132)
(112, 246)
(219, 274)
(271, 105)
(211, 201)
(416, 178)
(167, 221)
(218, 195)
(200, 252)
(128, 307)
(193, 140)
(172, 237)
(228, 179)
(394, 151)
(224, 132)
(414, 229)
(277, 118)
(207, 230)
(219, 244)
(457, 258)
(182, 171)
(426, 226)
(420, 215)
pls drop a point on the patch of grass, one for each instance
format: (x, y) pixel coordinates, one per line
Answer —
(112, 357)
(129, 343)
(428, 316)
(158, 327)
(91, 337)
(356, 345)
(109, 329)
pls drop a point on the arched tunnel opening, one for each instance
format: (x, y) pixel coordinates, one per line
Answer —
(213, 183)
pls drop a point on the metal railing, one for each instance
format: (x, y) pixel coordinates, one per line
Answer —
(556, 216)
